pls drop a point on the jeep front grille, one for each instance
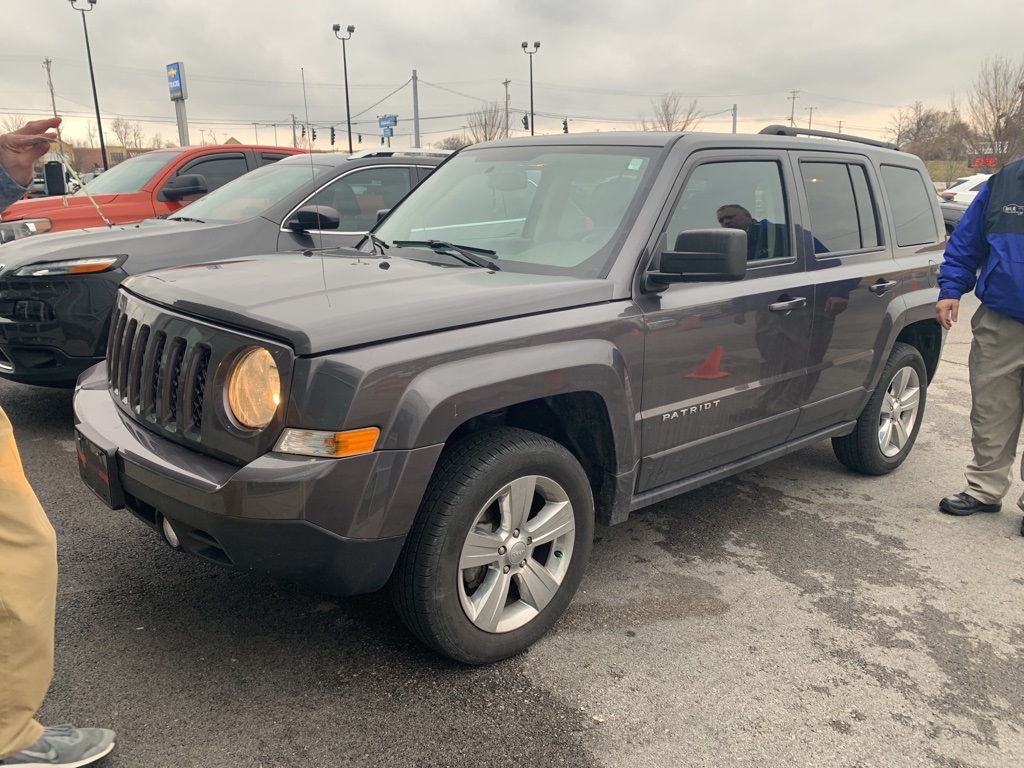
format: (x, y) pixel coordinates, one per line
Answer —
(165, 372)
(161, 380)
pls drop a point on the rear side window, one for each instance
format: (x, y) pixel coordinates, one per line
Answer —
(911, 200)
(842, 212)
(218, 171)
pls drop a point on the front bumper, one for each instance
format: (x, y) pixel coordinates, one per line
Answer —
(54, 328)
(337, 525)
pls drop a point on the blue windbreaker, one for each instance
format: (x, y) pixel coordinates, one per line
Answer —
(990, 237)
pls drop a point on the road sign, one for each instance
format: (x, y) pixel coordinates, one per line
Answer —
(387, 121)
(388, 132)
(176, 81)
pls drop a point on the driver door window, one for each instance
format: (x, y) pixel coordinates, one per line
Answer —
(357, 196)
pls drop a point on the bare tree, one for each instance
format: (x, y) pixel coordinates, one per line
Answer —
(136, 136)
(157, 141)
(90, 133)
(917, 129)
(995, 108)
(122, 131)
(671, 115)
(488, 123)
(10, 123)
(453, 142)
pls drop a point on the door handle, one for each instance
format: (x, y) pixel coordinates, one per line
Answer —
(787, 305)
(882, 286)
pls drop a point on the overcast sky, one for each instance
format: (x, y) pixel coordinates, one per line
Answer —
(600, 62)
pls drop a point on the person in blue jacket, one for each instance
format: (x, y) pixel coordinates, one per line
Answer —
(985, 254)
(28, 557)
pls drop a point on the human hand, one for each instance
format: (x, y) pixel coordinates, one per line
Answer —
(835, 305)
(20, 149)
(946, 312)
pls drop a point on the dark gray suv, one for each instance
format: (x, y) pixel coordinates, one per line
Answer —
(548, 333)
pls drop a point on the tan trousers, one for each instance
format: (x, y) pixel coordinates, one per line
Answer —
(28, 594)
(996, 367)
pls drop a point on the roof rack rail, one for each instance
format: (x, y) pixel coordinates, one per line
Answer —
(389, 152)
(789, 130)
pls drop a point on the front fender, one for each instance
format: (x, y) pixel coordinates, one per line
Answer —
(439, 400)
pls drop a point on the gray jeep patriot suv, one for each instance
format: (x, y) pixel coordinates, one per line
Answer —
(547, 333)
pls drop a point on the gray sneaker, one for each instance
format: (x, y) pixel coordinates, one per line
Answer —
(64, 745)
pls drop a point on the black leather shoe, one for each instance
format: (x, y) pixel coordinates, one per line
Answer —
(964, 504)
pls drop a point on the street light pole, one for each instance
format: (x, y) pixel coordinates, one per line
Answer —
(529, 53)
(92, 77)
(344, 63)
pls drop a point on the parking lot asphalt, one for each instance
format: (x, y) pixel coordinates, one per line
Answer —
(795, 615)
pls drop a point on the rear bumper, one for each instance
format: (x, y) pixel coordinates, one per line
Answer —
(337, 525)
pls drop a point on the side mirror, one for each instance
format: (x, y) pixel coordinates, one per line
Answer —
(382, 213)
(701, 256)
(186, 185)
(313, 217)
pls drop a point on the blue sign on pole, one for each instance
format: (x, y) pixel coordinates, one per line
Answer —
(388, 133)
(176, 81)
(387, 121)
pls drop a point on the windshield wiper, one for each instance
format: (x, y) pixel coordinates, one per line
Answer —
(467, 254)
(376, 242)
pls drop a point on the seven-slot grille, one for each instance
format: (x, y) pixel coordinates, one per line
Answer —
(166, 371)
(161, 378)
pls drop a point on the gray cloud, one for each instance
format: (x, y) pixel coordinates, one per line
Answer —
(598, 59)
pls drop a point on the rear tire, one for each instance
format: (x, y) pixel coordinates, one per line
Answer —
(498, 548)
(888, 425)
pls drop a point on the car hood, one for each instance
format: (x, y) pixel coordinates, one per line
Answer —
(145, 238)
(317, 304)
(44, 207)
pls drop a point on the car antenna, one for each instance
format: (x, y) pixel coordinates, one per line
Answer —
(312, 178)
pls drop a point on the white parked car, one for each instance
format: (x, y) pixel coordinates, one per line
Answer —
(965, 191)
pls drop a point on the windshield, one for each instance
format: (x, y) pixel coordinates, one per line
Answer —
(251, 195)
(131, 175)
(546, 210)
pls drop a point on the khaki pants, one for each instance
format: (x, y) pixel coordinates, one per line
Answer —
(28, 593)
(997, 403)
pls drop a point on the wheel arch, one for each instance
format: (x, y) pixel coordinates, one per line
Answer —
(577, 394)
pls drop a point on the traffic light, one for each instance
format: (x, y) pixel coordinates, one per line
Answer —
(332, 135)
(360, 137)
(314, 134)
(565, 125)
(303, 132)
(526, 122)
(382, 141)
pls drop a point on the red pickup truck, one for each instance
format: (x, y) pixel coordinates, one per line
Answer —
(147, 185)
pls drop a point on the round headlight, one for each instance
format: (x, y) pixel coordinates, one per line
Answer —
(254, 388)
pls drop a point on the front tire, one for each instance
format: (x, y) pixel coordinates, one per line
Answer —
(888, 425)
(499, 546)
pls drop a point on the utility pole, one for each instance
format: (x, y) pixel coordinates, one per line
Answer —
(257, 130)
(505, 83)
(734, 118)
(792, 109)
(840, 126)
(415, 110)
(810, 114)
(295, 138)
